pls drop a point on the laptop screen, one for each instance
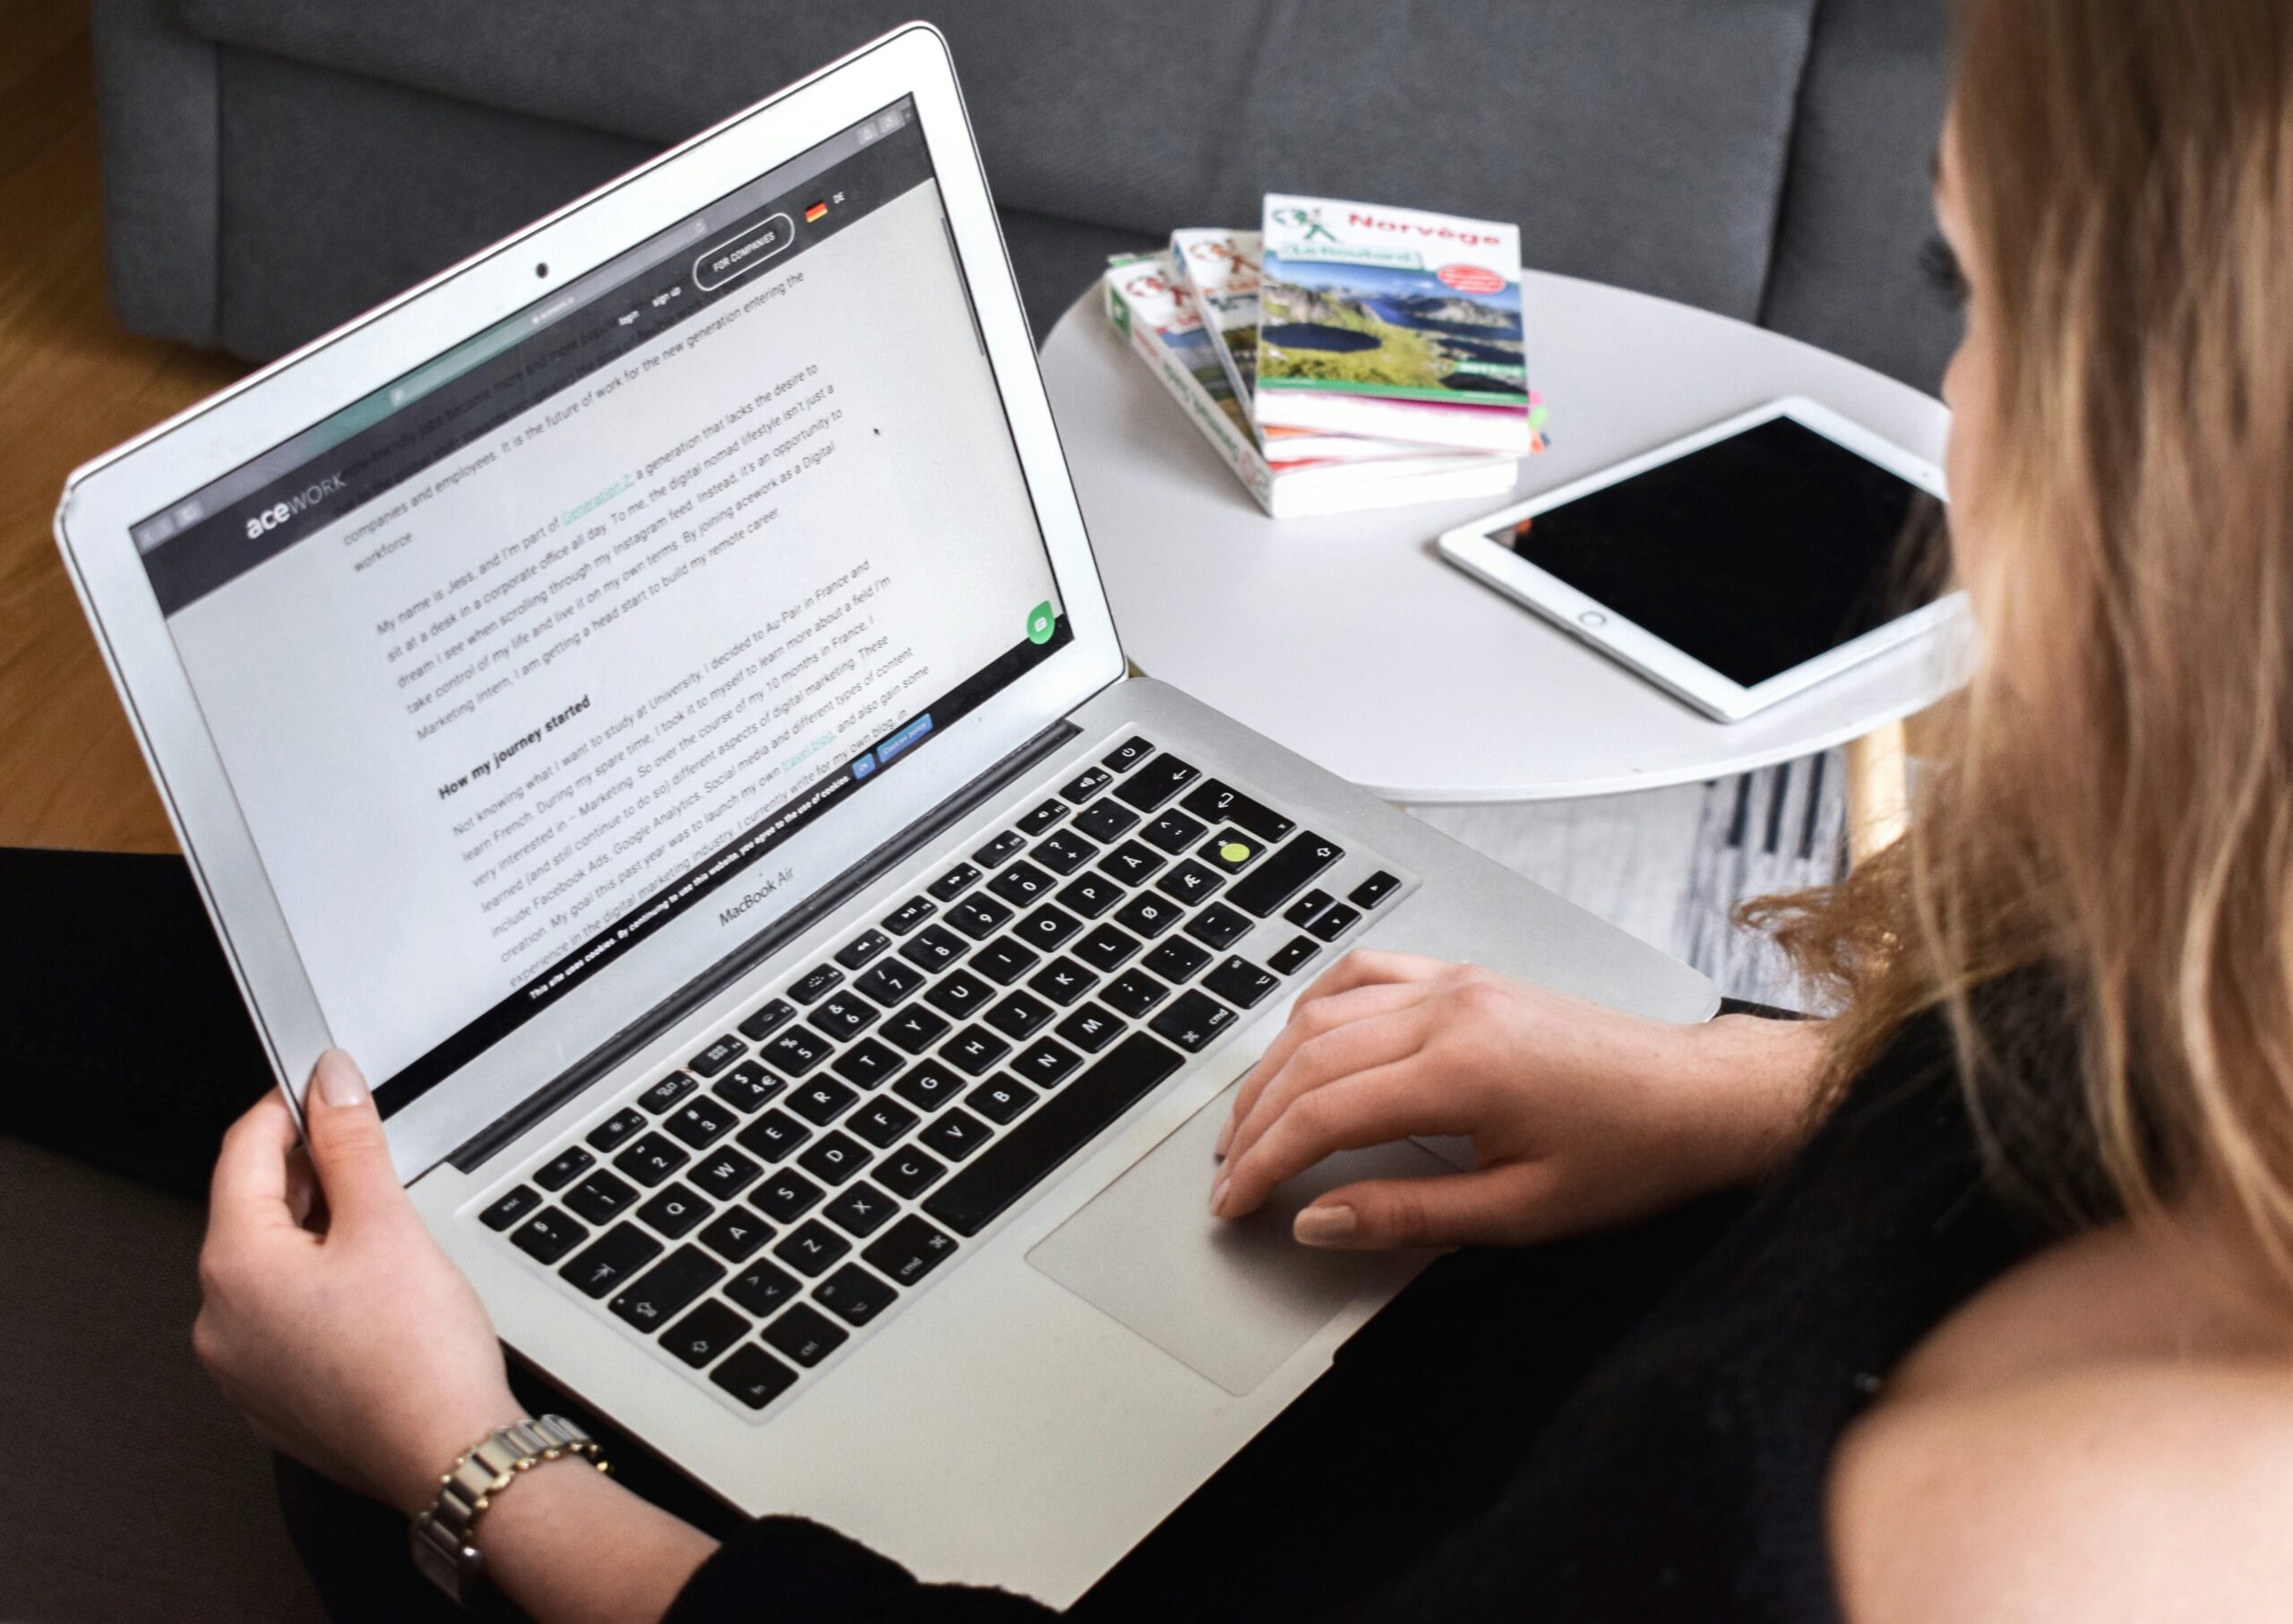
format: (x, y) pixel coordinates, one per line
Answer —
(557, 637)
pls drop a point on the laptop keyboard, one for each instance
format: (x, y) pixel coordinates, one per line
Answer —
(758, 1209)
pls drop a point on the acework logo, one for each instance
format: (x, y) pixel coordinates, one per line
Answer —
(279, 512)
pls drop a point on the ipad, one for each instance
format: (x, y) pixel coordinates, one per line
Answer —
(1738, 566)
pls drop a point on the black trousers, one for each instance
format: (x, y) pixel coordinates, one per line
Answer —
(1415, 1427)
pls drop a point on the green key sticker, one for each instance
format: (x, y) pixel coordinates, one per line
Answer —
(1041, 623)
(1233, 851)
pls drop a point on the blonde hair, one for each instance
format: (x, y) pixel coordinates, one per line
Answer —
(2111, 805)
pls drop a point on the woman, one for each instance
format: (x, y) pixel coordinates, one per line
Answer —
(2006, 1329)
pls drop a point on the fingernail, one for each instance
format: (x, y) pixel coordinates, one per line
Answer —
(1225, 1138)
(1325, 1226)
(338, 1081)
(1218, 1198)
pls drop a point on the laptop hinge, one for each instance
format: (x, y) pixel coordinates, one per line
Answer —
(607, 1058)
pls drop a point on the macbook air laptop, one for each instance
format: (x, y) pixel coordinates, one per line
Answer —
(646, 694)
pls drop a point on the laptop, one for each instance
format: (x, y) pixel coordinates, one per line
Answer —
(646, 692)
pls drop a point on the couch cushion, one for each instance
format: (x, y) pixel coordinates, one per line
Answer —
(1642, 141)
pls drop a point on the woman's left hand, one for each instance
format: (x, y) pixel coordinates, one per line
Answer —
(332, 1320)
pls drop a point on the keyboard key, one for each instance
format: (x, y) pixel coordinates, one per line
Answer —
(600, 1198)
(1017, 1014)
(929, 1087)
(1090, 1028)
(762, 1287)
(821, 1102)
(1295, 953)
(567, 1165)
(854, 1296)
(747, 1087)
(933, 948)
(916, 1029)
(734, 1234)
(843, 1016)
(889, 982)
(836, 1158)
(1188, 882)
(786, 1196)
(617, 1129)
(1104, 948)
(955, 882)
(1130, 862)
(806, 1334)
(1239, 982)
(959, 994)
(704, 1334)
(702, 1122)
(1047, 1136)
(1042, 817)
(1133, 993)
(860, 1210)
(1004, 960)
(796, 1051)
(1216, 803)
(667, 1093)
(1082, 787)
(1219, 926)
(718, 1056)
(866, 1063)
(774, 1136)
(1148, 914)
(979, 917)
(974, 1050)
(908, 1173)
(652, 1159)
(1176, 959)
(908, 1251)
(1193, 1020)
(1047, 927)
(1063, 980)
(811, 1249)
(1021, 885)
(1000, 1100)
(1373, 891)
(675, 1211)
(767, 1020)
(880, 1121)
(1106, 821)
(1231, 850)
(610, 1259)
(1089, 895)
(511, 1207)
(1156, 782)
(753, 1376)
(1302, 911)
(861, 947)
(910, 914)
(815, 984)
(1336, 921)
(955, 1133)
(1064, 852)
(724, 1173)
(1044, 1061)
(1283, 874)
(661, 1293)
(1001, 850)
(1174, 832)
(1126, 755)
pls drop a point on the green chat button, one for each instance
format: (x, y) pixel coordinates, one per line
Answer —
(1041, 623)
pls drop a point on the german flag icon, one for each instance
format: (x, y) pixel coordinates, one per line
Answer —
(814, 212)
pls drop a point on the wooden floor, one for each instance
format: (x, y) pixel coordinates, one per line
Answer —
(73, 384)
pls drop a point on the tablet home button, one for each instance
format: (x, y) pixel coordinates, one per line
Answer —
(1592, 617)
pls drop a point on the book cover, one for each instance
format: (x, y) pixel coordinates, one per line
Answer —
(1390, 322)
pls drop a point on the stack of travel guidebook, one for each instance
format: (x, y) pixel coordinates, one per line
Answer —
(1345, 355)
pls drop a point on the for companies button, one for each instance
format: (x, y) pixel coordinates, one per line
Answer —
(743, 252)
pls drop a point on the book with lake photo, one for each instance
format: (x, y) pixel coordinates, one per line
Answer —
(1393, 323)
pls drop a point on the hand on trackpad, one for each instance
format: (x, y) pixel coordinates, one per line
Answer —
(1229, 1301)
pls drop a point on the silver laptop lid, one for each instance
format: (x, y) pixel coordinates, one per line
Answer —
(512, 656)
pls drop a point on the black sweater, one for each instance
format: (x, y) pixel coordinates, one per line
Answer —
(1678, 1472)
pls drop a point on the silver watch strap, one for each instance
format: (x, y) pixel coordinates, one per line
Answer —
(441, 1537)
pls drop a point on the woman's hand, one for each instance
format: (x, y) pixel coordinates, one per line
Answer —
(1582, 1116)
(332, 1320)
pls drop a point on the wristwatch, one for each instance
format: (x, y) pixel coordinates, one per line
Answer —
(440, 1536)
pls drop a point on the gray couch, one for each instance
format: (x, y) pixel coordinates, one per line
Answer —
(271, 168)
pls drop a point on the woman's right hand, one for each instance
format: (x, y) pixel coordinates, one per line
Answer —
(1582, 1117)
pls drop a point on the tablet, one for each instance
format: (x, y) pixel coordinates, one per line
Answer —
(1735, 567)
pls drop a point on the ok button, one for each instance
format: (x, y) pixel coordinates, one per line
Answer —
(742, 252)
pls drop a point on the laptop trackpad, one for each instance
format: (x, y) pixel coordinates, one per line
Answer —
(1229, 1301)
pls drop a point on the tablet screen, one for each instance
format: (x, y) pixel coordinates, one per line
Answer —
(1753, 554)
